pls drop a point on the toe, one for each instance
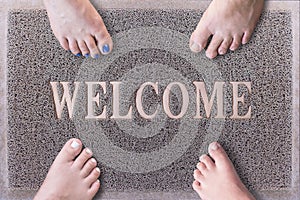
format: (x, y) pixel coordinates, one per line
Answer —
(198, 176)
(195, 47)
(199, 38)
(201, 166)
(84, 156)
(70, 150)
(236, 42)
(93, 176)
(83, 48)
(88, 167)
(94, 188)
(246, 37)
(74, 47)
(197, 186)
(212, 50)
(224, 46)
(64, 43)
(93, 49)
(207, 161)
(103, 39)
(218, 154)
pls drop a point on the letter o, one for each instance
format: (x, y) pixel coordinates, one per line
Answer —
(166, 100)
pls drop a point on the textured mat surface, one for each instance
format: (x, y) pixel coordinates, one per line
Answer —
(156, 154)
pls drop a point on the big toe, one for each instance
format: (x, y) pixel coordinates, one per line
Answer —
(70, 150)
(104, 41)
(199, 38)
(219, 155)
(100, 39)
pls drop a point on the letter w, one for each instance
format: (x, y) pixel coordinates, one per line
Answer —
(66, 98)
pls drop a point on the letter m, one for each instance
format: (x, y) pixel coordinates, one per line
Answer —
(66, 98)
(208, 103)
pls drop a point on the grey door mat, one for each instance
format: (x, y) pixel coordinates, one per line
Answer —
(158, 154)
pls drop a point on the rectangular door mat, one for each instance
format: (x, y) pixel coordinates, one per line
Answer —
(150, 108)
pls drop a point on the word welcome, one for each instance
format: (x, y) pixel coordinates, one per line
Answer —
(202, 99)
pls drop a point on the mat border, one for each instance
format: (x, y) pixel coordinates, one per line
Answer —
(6, 5)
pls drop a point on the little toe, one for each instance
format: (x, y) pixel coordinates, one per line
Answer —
(236, 42)
(207, 161)
(93, 176)
(224, 46)
(83, 48)
(93, 49)
(88, 167)
(94, 188)
(70, 150)
(212, 50)
(197, 186)
(218, 154)
(198, 175)
(84, 156)
(199, 38)
(64, 43)
(74, 47)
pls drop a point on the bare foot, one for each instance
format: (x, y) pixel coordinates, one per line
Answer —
(218, 179)
(71, 177)
(231, 22)
(78, 27)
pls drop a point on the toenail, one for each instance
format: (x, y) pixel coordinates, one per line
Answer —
(97, 56)
(202, 158)
(209, 55)
(214, 146)
(195, 47)
(88, 151)
(87, 55)
(79, 54)
(222, 51)
(74, 144)
(234, 47)
(93, 160)
(105, 48)
(97, 169)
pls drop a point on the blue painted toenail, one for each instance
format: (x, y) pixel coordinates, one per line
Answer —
(79, 54)
(97, 56)
(87, 55)
(105, 48)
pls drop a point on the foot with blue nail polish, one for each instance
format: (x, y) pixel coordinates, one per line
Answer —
(216, 178)
(78, 27)
(229, 22)
(105, 49)
(73, 175)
